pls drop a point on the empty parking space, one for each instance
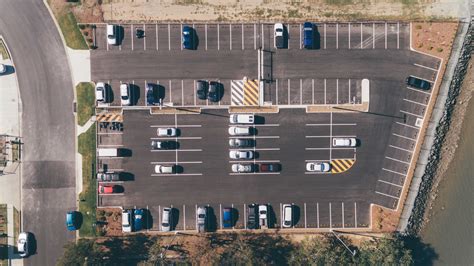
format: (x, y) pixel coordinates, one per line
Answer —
(343, 30)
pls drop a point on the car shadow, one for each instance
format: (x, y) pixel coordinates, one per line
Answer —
(271, 217)
(174, 218)
(109, 94)
(178, 169)
(121, 35)
(286, 37)
(148, 218)
(118, 189)
(235, 216)
(317, 38)
(296, 214)
(195, 39)
(123, 152)
(212, 220)
(127, 176)
(259, 120)
(134, 93)
(79, 219)
(253, 131)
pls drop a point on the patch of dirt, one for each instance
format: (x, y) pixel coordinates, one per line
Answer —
(86, 11)
(112, 219)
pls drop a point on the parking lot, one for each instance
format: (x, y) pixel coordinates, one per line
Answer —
(374, 172)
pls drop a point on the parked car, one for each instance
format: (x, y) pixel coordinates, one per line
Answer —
(201, 219)
(418, 83)
(239, 131)
(263, 216)
(279, 33)
(24, 243)
(108, 176)
(188, 37)
(242, 168)
(269, 167)
(106, 189)
(167, 132)
(166, 219)
(214, 91)
(241, 119)
(287, 215)
(138, 219)
(241, 143)
(125, 94)
(252, 218)
(72, 220)
(344, 142)
(163, 145)
(150, 94)
(241, 154)
(227, 219)
(201, 89)
(100, 92)
(164, 169)
(308, 35)
(127, 225)
(112, 34)
(318, 167)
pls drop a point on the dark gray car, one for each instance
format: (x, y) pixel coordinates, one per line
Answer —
(108, 176)
(241, 143)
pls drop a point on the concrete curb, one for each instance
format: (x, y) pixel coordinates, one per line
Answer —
(428, 148)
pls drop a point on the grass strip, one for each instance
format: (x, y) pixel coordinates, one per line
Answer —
(72, 34)
(87, 202)
(85, 102)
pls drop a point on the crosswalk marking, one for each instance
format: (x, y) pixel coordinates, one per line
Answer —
(244, 92)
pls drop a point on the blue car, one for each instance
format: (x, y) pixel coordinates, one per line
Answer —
(227, 219)
(188, 38)
(308, 35)
(138, 219)
(71, 220)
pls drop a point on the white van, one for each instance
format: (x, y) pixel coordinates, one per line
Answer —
(241, 119)
(112, 34)
(287, 215)
(108, 152)
(239, 131)
(166, 220)
(127, 221)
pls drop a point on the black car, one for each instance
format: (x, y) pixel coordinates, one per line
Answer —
(252, 217)
(164, 145)
(150, 94)
(201, 89)
(418, 83)
(213, 93)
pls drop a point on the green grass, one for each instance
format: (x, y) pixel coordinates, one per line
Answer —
(87, 202)
(3, 50)
(72, 34)
(85, 102)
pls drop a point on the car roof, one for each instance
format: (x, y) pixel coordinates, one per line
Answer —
(307, 24)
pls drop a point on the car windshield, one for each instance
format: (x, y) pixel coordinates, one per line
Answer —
(279, 30)
(111, 36)
(263, 212)
(166, 224)
(124, 97)
(201, 215)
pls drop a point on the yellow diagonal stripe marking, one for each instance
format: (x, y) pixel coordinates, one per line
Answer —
(346, 164)
(335, 167)
(341, 165)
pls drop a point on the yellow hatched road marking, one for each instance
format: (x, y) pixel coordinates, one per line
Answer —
(251, 92)
(341, 165)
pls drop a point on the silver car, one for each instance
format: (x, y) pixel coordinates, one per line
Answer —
(318, 167)
(125, 94)
(241, 154)
(201, 219)
(242, 168)
(24, 242)
(344, 142)
(166, 132)
(166, 220)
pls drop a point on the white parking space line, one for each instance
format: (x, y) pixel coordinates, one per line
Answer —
(312, 91)
(255, 36)
(389, 183)
(301, 40)
(276, 88)
(288, 42)
(404, 137)
(218, 37)
(109, 133)
(107, 41)
(131, 34)
(330, 215)
(329, 148)
(317, 214)
(144, 38)
(245, 211)
(349, 95)
(266, 125)
(205, 33)
(181, 162)
(256, 137)
(337, 35)
(263, 37)
(243, 47)
(385, 35)
(178, 174)
(325, 36)
(410, 101)
(425, 67)
(355, 214)
(220, 215)
(337, 91)
(159, 217)
(408, 113)
(333, 136)
(156, 34)
(120, 46)
(281, 215)
(386, 195)
(173, 126)
(342, 203)
(181, 34)
(361, 36)
(194, 92)
(431, 81)
(158, 138)
(349, 33)
(266, 149)
(256, 161)
(425, 92)
(301, 91)
(288, 91)
(394, 172)
(184, 217)
(109, 145)
(171, 96)
(305, 220)
(398, 148)
(169, 37)
(396, 160)
(373, 35)
(325, 91)
(407, 125)
(230, 36)
(182, 92)
(176, 150)
(334, 124)
(330, 139)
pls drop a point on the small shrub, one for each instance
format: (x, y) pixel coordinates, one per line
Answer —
(418, 27)
(82, 26)
(100, 213)
(430, 47)
(420, 45)
(86, 33)
(439, 49)
(89, 40)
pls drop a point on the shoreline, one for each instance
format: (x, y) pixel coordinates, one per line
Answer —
(450, 145)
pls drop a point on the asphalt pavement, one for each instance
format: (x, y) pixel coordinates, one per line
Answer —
(47, 125)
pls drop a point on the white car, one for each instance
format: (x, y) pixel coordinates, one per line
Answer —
(166, 132)
(241, 119)
(262, 211)
(278, 31)
(242, 168)
(112, 34)
(125, 94)
(241, 154)
(166, 220)
(164, 169)
(239, 131)
(100, 94)
(127, 221)
(344, 142)
(24, 242)
(318, 167)
(3, 69)
(287, 215)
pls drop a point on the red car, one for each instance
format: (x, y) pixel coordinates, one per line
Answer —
(270, 167)
(106, 189)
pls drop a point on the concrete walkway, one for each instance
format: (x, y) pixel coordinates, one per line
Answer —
(80, 61)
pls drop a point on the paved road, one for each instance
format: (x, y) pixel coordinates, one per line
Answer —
(47, 124)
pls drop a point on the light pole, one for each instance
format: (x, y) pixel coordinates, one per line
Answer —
(340, 240)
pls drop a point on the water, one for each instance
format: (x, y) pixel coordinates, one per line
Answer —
(450, 230)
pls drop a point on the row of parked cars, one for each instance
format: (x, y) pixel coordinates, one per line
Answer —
(103, 94)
